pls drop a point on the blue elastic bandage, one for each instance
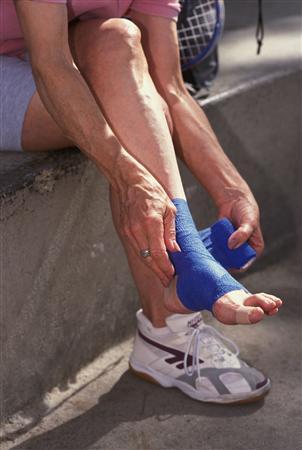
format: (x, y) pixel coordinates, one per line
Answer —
(215, 239)
(201, 280)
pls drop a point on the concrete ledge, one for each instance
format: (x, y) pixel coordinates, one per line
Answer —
(66, 294)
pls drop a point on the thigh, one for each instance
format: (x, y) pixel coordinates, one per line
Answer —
(40, 132)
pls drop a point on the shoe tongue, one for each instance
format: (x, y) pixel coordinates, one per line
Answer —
(181, 322)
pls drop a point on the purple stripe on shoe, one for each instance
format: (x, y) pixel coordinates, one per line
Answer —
(262, 383)
(178, 356)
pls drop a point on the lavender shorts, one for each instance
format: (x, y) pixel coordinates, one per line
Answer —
(17, 87)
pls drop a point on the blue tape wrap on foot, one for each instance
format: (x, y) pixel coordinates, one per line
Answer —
(201, 280)
(215, 239)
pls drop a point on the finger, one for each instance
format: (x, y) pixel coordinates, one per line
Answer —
(158, 247)
(142, 243)
(256, 241)
(170, 232)
(241, 235)
(130, 238)
(156, 270)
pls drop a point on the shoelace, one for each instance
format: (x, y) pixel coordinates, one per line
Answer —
(198, 339)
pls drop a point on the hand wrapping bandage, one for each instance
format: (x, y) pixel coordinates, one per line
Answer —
(215, 239)
(201, 280)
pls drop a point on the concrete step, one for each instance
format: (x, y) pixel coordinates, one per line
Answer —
(66, 294)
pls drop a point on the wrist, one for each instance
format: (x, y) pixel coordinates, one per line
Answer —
(231, 191)
(224, 184)
(114, 162)
(231, 194)
(128, 171)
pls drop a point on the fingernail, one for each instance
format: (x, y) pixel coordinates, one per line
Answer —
(232, 243)
(176, 246)
(237, 245)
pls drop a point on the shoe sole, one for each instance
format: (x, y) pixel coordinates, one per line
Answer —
(227, 399)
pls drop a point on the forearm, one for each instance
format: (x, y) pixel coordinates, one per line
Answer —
(197, 145)
(68, 99)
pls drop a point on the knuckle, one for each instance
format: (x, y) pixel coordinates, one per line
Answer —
(158, 252)
(171, 232)
(153, 219)
(148, 261)
(172, 211)
(169, 269)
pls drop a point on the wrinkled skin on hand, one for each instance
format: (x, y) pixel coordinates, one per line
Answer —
(241, 208)
(147, 220)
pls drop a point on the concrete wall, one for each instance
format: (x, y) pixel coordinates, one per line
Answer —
(66, 293)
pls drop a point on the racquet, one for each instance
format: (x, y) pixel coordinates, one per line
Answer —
(199, 28)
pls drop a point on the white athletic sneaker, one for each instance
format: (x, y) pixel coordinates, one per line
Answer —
(190, 355)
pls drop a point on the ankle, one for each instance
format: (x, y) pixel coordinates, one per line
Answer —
(157, 318)
(172, 302)
(156, 312)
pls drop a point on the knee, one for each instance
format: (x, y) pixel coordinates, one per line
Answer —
(114, 39)
(121, 33)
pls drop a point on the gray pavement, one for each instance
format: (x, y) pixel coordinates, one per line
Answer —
(117, 411)
(239, 63)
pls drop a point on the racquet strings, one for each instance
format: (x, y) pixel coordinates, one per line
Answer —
(197, 26)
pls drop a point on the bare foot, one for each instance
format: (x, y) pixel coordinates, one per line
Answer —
(239, 307)
(236, 307)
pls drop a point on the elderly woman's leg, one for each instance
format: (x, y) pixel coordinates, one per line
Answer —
(111, 59)
(105, 55)
(40, 132)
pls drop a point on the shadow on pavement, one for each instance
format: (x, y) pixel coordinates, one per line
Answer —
(130, 400)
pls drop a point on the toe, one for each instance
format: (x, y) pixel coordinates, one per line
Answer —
(249, 314)
(273, 312)
(266, 302)
(256, 314)
(238, 307)
(277, 300)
